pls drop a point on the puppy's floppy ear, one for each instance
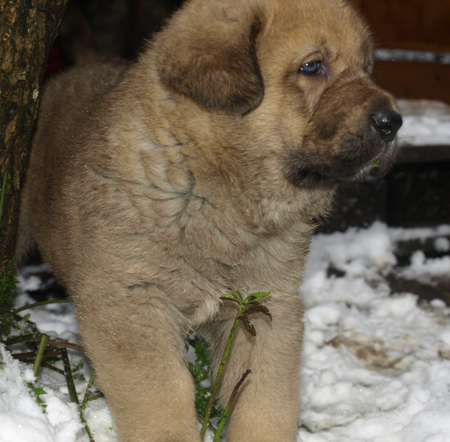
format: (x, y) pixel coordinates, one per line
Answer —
(208, 54)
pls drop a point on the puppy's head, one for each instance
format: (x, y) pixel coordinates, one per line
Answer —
(299, 71)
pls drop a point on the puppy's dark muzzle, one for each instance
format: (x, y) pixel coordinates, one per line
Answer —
(386, 124)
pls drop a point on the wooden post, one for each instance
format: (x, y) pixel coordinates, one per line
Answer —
(27, 31)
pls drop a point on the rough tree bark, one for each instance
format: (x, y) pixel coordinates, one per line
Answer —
(27, 31)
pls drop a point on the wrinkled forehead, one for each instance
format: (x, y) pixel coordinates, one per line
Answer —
(332, 27)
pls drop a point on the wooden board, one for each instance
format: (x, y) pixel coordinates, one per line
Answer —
(407, 79)
(411, 24)
(423, 154)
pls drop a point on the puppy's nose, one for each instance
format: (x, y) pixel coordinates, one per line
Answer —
(387, 124)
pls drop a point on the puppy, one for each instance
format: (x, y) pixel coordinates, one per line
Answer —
(153, 188)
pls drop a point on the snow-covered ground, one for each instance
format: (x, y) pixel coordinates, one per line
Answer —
(376, 364)
(425, 122)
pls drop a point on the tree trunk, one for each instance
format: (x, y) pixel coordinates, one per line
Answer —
(27, 31)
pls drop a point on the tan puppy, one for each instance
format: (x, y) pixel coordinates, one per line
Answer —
(152, 189)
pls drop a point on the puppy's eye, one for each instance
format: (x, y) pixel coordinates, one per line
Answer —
(311, 68)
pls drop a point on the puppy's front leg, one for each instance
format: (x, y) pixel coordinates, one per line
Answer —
(133, 337)
(267, 405)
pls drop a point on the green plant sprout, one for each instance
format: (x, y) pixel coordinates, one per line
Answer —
(37, 304)
(230, 403)
(247, 306)
(40, 353)
(200, 372)
(36, 392)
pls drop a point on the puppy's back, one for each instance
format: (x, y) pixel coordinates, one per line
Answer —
(70, 105)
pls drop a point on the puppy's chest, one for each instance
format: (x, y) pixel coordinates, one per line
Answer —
(218, 248)
(205, 242)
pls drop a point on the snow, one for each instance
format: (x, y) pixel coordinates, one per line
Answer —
(425, 123)
(376, 364)
(411, 55)
(22, 419)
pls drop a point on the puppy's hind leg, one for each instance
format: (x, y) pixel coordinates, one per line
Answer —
(133, 337)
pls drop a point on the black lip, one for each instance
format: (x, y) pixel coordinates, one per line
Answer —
(344, 168)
